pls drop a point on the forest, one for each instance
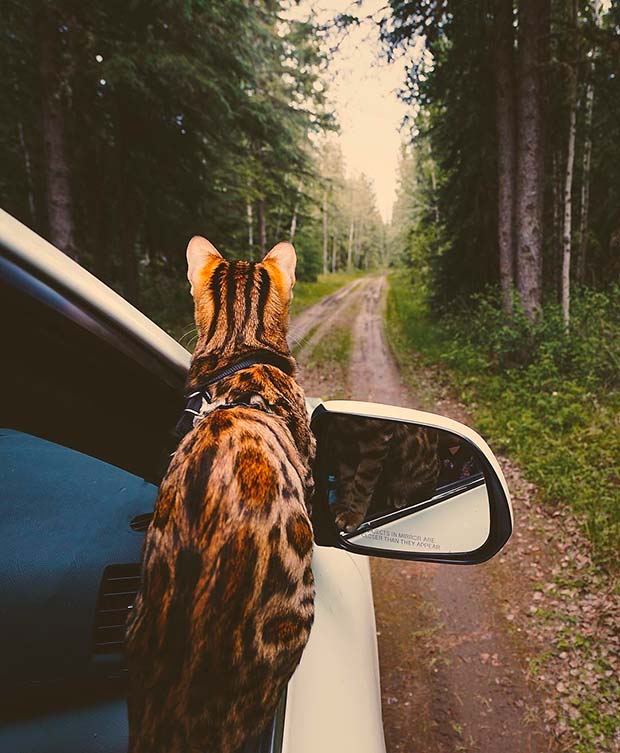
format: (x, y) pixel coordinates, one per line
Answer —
(136, 125)
(508, 220)
(514, 177)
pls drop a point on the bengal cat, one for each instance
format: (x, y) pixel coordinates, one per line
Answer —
(227, 598)
(380, 466)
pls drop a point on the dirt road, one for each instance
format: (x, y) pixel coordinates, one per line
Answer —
(453, 665)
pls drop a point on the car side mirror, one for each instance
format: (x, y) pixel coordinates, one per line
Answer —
(395, 482)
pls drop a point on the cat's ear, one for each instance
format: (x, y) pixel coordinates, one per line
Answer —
(283, 256)
(200, 252)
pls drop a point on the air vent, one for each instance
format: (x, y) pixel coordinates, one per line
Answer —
(118, 590)
(141, 522)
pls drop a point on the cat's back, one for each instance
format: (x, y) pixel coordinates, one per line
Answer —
(235, 609)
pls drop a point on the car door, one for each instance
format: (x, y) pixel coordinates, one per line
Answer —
(87, 407)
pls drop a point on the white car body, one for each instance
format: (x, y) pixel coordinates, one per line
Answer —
(333, 701)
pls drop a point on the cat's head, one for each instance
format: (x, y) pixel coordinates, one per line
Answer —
(240, 306)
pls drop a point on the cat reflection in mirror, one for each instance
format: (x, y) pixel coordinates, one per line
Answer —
(380, 466)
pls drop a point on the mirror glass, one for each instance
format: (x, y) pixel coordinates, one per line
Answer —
(403, 487)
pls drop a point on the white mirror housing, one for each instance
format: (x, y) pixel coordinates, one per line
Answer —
(401, 483)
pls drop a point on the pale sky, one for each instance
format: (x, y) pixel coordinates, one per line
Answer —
(363, 90)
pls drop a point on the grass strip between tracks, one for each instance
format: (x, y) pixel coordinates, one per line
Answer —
(330, 359)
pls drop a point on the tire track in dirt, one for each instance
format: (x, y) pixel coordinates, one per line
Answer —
(304, 329)
(334, 311)
(453, 669)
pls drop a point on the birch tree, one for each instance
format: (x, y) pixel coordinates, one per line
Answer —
(568, 176)
(587, 159)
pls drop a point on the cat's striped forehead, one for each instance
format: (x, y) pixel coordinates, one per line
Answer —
(242, 301)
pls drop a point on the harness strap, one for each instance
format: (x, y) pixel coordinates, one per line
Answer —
(199, 402)
(269, 359)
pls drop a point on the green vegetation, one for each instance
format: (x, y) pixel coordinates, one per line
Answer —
(549, 398)
(331, 357)
(308, 293)
(299, 345)
(134, 126)
(510, 239)
(167, 301)
(591, 704)
(508, 291)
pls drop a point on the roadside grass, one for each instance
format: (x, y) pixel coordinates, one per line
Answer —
(330, 359)
(308, 293)
(563, 430)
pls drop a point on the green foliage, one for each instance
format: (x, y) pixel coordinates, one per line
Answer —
(178, 117)
(453, 222)
(549, 398)
(450, 212)
(589, 352)
(334, 349)
(310, 262)
(547, 395)
(167, 301)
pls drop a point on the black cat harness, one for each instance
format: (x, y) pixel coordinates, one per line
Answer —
(199, 402)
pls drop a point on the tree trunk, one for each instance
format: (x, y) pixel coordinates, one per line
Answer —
(585, 185)
(58, 183)
(506, 145)
(102, 229)
(293, 228)
(130, 222)
(568, 203)
(334, 244)
(101, 240)
(278, 223)
(585, 178)
(262, 228)
(533, 33)
(385, 248)
(350, 247)
(129, 203)
(568, 176)
(28, 172)
(433, 180)
(325, 239)
(557, 204)
(357, 246)
(250, 221)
